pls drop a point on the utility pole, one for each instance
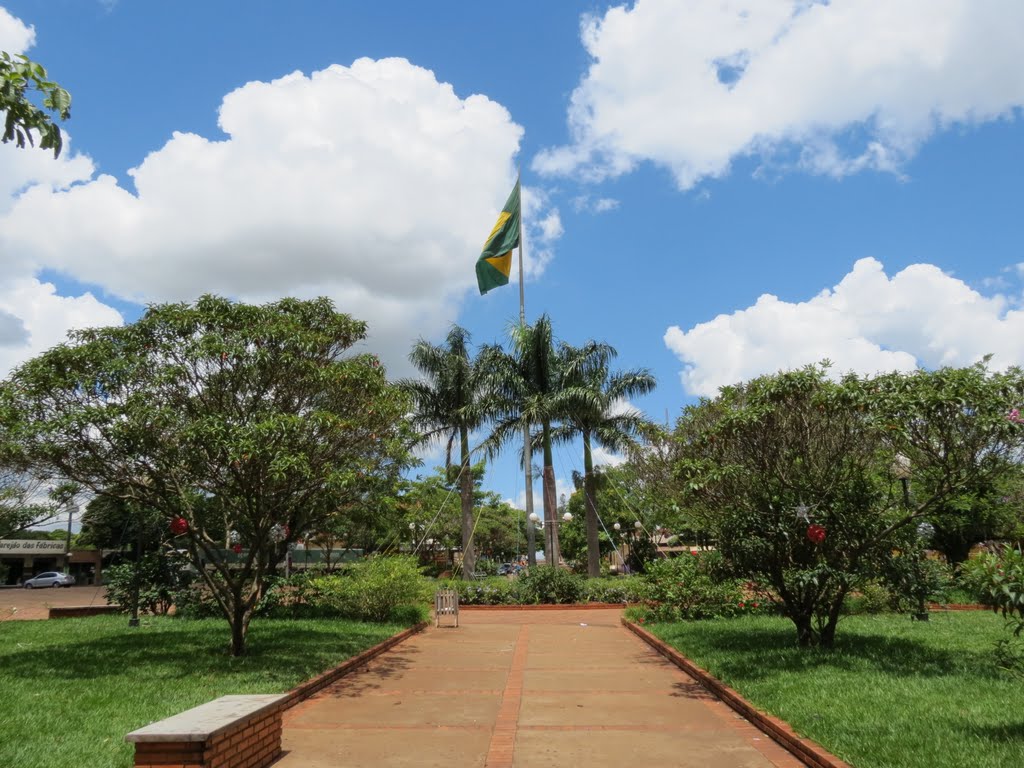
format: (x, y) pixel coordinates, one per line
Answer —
(67, 541)
(531, 533)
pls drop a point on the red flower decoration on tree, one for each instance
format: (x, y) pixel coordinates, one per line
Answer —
(816, 533)
(179, 525)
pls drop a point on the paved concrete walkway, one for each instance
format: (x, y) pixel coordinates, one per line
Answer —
(523, 689)
(20, 604)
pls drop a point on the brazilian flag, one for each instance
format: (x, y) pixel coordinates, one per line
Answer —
(495, 263)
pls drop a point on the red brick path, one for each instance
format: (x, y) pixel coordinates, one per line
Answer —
(522, 689)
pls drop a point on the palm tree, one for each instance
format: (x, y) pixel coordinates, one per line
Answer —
(530, 390)
(598, 415)
(449, 404)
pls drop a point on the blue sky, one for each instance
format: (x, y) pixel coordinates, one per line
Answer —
(718, 189)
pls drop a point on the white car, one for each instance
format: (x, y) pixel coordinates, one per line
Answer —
(50, 579)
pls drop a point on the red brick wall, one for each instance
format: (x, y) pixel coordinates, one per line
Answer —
(251, 743)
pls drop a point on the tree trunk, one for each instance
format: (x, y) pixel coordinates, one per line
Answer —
(531, 531)
(550, 501)
(239, 620)
(590, 504)
(466, 492)
(828, 632)
(805, 634)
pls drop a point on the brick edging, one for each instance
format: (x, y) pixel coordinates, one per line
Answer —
(958, 607)
(79, 611)
(545, 607)
(305, 690)
(805, 750)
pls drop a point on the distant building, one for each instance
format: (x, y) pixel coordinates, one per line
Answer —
(22, 559)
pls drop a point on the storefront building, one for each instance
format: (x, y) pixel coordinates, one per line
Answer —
(22, 559)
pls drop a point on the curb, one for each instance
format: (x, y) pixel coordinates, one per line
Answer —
(808, 752)
(77, 611)
(304, 690)
(546, 607)
(957, 607)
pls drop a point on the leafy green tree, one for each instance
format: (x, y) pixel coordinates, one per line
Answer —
(19, 76)
(498, 529)
(24, 500)
(151, 585)
(798, 475)
(650, 479)
(599, 414)
(450, 404)
(114, 522)
(367, 522)
(23, 503)
(975, 516)
(223, 417)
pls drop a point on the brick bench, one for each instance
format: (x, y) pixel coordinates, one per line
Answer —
(224, 733)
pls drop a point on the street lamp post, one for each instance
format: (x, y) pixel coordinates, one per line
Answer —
(901, 469)
(532, 525)
(925, 531)
(67, 541)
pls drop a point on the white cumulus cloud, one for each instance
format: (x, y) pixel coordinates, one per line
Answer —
(832, 87)
(373, 184)
(33, 318)
(604, 458)
(15, 35)
(563, 487)
(868, 323)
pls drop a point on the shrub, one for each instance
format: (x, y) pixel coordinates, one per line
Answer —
(161, 577)
(496, 591)
(295, 596)
(409, 614)
(688, 587)
(626, 589)
(957, 595)
(196, 602)
(913, 579)
(486, 567)
(999, 581)
(638, 614)
(372, 590)
(549, 586)
(974, 577)
(872, 598)
(379, 589)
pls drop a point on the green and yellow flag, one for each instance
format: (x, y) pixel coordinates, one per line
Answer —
(495, 263)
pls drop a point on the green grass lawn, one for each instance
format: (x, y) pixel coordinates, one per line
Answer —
(71, 689)
(893, 692)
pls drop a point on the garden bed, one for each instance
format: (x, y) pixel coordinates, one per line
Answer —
(892, 693)
(97, 679)
(545, 607)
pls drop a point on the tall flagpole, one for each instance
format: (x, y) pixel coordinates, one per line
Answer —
(531, 532)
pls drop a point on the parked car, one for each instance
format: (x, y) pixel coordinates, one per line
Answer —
(50, 579)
